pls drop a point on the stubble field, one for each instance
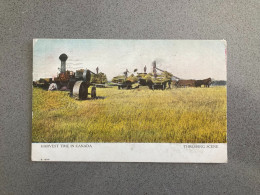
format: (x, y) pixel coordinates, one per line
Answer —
(178, 115)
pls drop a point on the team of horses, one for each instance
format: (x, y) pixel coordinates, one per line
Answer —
(192, 83)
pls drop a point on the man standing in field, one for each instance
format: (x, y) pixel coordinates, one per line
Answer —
(169, 83)
(125, 73)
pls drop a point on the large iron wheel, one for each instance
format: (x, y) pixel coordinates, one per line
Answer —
(80, 90)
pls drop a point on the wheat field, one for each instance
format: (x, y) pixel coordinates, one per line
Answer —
(178, 115)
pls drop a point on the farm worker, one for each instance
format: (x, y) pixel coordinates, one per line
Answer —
(125, 73)
(154, 69)
(169, 83)
(145, 69)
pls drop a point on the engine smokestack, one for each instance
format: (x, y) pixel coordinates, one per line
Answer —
(154, 67)
(63, 57)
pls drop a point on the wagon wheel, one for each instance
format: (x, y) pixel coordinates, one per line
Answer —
(93, 92)
(80, 90)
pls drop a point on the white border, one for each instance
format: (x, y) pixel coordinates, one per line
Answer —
(131, 152)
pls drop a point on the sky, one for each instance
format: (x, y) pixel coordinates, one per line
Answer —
(186, 59)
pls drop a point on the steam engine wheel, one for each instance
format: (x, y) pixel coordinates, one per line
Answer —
(80, 90)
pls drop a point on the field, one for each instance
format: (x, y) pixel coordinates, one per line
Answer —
(178, 115)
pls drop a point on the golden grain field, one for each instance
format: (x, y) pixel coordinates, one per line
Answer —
(178, 115)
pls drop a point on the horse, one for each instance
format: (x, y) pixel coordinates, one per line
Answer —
(185, 83)
(205, 82)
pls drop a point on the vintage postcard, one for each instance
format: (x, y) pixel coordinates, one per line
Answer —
(129, 100)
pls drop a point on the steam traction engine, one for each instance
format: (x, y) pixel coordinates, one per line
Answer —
(76, 82)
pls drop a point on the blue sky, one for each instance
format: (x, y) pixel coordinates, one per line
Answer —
(187, 59)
